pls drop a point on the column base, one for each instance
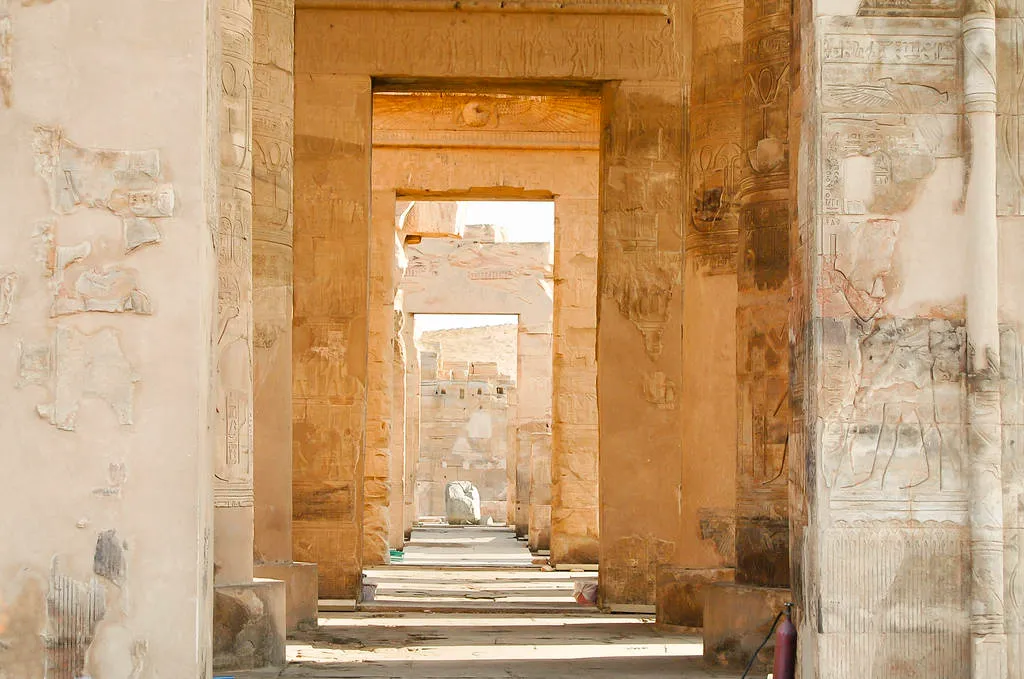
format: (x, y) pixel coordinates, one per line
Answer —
(539, 534)
(249, 625)
(300, 580)
(736, 620)
(682, 592)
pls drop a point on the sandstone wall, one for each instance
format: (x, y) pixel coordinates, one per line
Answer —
(464, 437)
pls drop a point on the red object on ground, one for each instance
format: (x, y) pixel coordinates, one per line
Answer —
(785, 649)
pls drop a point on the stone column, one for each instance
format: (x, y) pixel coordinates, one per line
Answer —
(638, 336)
(232, 486)
(574, 461)
(272, 155)
(762, 345)
(329, 342)
(106, 493)
(533, 493)
(706, 551)
(377, 472)
(412, 423)
(985, 450)
(396, 531)
(884, 481)
(234, 647)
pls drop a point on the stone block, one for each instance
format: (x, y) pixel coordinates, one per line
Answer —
(462, 503)
(681, 593)
(249, 625)
(300, 581)
(736, 620)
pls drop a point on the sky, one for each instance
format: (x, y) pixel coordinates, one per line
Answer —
(524, 222)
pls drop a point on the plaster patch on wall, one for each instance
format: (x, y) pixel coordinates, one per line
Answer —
(126, 183)
(8, 290)
(79, 366)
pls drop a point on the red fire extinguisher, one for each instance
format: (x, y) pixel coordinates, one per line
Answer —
(785, 648)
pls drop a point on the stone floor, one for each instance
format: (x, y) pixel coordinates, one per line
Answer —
(443, 615)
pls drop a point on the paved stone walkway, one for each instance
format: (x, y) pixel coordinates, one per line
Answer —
(469, 603)
(480, 646)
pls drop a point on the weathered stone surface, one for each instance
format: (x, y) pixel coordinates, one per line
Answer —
(461, 503)
(682, 593)
(105, 500)
(736, 620)
(272, 270)
(300, 583)
(233, 463)
(249, 625)
(640, 312)
(329, 344)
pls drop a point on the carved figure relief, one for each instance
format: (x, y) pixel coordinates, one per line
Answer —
(894, 420)
(78, 366)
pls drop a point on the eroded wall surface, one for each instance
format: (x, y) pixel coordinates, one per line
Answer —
(107, 381)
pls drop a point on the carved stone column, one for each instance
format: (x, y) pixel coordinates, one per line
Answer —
(329, 343)
(272, 165)
(233, 464)
(762, 340)
(706, 551)
(574, 461)
(233, 470)
(984, 413)
(638, 336)
(380, 381)
(412, 424)
(396, 529)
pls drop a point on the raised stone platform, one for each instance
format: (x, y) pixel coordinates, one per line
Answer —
(681, 593)
(300, 580)
(736, 619)
(249, 625)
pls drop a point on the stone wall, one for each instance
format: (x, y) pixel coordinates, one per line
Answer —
(464, 436)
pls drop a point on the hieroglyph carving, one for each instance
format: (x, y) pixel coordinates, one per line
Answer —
(233, 466)
(77, 366)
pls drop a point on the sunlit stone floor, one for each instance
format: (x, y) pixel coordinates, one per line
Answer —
(469, 603)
